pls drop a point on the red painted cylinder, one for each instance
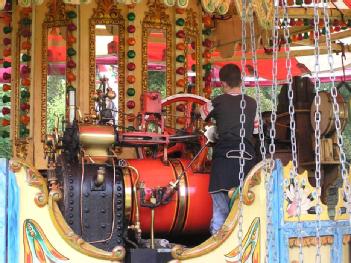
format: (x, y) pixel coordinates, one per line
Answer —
(190, 208)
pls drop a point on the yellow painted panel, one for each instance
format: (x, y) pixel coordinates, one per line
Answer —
(29, 210)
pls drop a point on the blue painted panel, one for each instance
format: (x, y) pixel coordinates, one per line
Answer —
(13, 218)
(273, 199)
(9, 207)
(3, 201)
(286, 230)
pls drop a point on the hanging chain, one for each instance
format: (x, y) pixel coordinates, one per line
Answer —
(269, 180)
(334, 93)
(317, 132)
(293, 171)
(263, 150)
(267, 166)
(242, 129)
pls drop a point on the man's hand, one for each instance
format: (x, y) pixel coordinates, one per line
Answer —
(211, 133)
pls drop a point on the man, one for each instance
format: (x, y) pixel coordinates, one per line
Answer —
(225, 110)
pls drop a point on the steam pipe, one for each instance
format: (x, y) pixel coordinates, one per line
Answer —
(136, 227)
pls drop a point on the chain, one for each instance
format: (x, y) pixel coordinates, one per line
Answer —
(317, 132)
(263, 150)
(293, 171)
(334, 93)
(270, 240)
(242, 129)
(267, 168)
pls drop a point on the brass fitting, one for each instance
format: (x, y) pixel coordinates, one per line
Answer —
(100, 176)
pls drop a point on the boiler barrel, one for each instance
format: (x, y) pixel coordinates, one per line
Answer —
(190, 208)
(95, 140)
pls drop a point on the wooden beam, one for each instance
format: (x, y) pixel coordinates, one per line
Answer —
(296, 30)
(322, 39)
(307, 12)
(293, 53)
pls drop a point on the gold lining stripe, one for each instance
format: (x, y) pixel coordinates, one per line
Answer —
(128, 197)
(175, 174)
(179, 222)
(187, 196)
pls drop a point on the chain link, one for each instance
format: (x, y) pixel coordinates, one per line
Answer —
(317, 133)
(263, 150)
(273, 118)
(293, 171)
(336, 113)
(270, 241)
(267, 166)
(242, 129)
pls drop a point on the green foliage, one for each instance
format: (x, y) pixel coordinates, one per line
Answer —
(56, 103)
(347, 132)
(265, 96)
(216, 92)
(157, 82)
(5, 145)
(5, 148)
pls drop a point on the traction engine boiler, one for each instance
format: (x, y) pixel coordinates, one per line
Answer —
(110, 201)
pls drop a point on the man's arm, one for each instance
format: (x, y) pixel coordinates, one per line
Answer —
(206, 111)
(256, 124)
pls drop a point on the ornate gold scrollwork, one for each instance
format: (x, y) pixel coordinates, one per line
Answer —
(107, 13)
(253, 179)
(264, 11)
(55, 17)
(56, 11)
(311, 241)
(21, 147)
(191, 29)
(34, 178)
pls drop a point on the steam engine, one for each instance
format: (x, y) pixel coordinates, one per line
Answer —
(110, 201)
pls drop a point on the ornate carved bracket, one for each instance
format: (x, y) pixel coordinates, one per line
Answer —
(56, 11)
(34, 178)
(156, 14)
(106, 9)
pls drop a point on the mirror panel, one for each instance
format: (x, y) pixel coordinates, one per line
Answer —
(56, 77)
(156, 61)
(106, 69)
(157, 64)
(54, 60)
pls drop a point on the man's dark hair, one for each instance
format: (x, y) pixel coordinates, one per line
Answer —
(231, 74)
